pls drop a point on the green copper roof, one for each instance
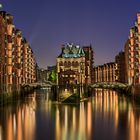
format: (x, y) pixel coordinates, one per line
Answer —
(72, 51)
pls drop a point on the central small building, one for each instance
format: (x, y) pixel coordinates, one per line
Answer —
(71, 65)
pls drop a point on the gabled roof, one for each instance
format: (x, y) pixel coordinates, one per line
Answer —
(72, 51)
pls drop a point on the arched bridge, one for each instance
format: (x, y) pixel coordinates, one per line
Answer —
(110, 85)
(46, 84)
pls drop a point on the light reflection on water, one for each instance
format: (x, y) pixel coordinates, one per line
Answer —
(0, 132)
(106, 115)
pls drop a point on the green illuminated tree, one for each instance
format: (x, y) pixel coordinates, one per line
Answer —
(53, 76)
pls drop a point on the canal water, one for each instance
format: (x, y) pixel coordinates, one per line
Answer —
(106, 116)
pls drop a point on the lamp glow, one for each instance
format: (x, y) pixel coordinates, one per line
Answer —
(1, 6)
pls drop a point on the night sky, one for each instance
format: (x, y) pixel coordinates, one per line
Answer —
(47, 24)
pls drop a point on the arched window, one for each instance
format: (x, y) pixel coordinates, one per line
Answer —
(69, 63)
(61, 63)
(65, 63)
(73, 63)
(76, 64)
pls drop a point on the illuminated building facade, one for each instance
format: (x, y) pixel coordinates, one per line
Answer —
(126, 53)
(75, 65)
(29, 64)
(132, 54)
(105, 73)
(42, 75)
(89, 63)
(120, 71)
(17, 62)
(71, 65)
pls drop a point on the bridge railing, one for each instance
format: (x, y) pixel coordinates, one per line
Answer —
(41, 84)
(109, 85)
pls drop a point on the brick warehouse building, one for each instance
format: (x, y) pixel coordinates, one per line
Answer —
(132, 54)
(17, 62)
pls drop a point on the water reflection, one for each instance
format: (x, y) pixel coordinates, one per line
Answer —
(106, 115)
(0, 132)
(18, 123)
